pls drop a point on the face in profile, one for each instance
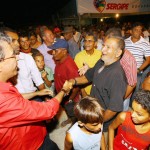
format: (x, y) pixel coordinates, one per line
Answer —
(9, 63)
(139, 114)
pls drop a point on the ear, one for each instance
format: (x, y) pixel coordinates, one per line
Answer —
(80, 123)
(95, 45)
(65, 51)
(119, 52)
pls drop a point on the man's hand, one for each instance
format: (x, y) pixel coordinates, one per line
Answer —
(67, 86)
(83, 69)
(45, 92)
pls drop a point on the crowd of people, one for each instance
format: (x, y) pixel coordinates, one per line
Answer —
(100, 76)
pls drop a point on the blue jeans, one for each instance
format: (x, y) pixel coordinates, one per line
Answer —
(145, 73)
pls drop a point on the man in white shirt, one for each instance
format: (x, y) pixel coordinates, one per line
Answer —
(29, 78)
(48, 39)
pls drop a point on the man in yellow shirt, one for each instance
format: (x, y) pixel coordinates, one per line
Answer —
(88, 56)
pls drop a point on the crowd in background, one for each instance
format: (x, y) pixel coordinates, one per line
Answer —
(108, 72)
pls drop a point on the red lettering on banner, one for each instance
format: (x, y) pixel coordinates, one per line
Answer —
(119, 6)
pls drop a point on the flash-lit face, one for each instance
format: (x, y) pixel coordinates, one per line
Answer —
(15, 44)
(89, 43)
(109, 51)
(139, 114)
(39, 60)
(59, 54)
(9, 63)
(136, 32)
(24, 43)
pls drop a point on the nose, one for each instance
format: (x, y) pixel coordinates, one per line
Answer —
(133, 114)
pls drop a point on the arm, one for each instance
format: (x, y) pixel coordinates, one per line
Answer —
(103, 144)
(41, 86)
(74, 93)
(108, 114)
(46, 81)
(27, 112)
(83, 92)
(37, 93)
(68, 142)
(145, 64)
(79, 80)
(111, 131)
(129, 90)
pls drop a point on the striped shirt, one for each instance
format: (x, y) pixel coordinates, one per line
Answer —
(139, 49)
(128, 64)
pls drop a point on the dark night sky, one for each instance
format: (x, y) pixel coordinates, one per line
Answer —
(30, 12)
(24, 12)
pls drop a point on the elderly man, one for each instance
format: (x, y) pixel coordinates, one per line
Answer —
(21, 122)
(108, 79)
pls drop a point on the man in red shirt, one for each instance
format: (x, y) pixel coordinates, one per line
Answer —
(65, 69)
(22, 121)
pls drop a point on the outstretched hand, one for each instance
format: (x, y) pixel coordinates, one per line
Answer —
(83, 69)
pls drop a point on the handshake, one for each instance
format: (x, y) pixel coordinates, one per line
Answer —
(67, 87)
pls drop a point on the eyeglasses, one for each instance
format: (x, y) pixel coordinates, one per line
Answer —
(14, 56)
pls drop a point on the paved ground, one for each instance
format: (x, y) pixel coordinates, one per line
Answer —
(58, 133)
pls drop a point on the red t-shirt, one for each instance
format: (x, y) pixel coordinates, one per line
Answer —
(65, 71)
(21, 120)
(128, 138)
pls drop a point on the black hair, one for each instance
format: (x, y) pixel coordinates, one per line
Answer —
(142, 97)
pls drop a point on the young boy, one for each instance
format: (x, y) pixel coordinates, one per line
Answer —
(46, 73)
(133, 127)
(86, 134)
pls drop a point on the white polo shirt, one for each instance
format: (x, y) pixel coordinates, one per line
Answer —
(28, 74)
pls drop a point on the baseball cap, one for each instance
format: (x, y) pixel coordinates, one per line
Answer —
(60, 43)
(56, 30)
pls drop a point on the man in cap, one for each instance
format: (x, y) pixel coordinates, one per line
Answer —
(73, 46)
(65, 69)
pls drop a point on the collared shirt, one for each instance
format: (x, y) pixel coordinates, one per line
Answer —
(28, 74)
(108, 86)
(48, 59)
(139, 49)
(129, 66)
(21, 126)
(83, 57)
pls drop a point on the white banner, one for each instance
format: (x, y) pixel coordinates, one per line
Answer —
(113, 6)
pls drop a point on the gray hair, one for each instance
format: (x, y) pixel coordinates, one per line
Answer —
(3, 38)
